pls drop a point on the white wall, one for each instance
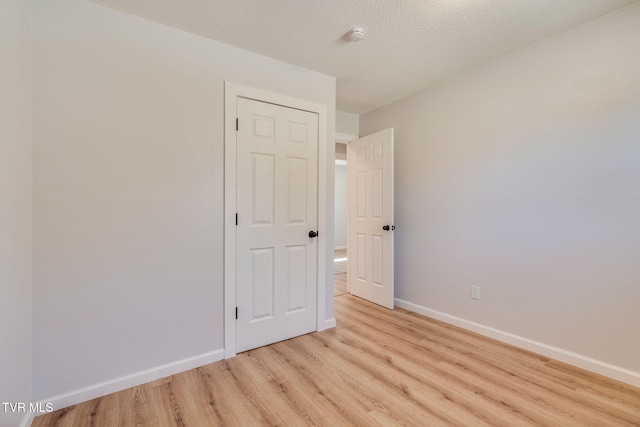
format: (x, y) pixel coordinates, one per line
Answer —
(340, 240)
(15, 206)
(347, 123)
(523, 177)
(128, 191)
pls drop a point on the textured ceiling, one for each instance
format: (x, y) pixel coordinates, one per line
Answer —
(408, 45)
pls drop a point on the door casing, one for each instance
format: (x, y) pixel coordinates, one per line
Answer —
(231, 94)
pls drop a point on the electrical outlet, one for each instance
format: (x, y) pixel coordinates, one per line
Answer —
(475, 292)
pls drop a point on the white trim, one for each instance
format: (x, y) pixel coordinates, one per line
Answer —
(566, 356)
(325, 268)
(231, 93)
(118, 384)
(340, 247)
(330, 323)
(27, 420)
(230, 105)
(343, 138)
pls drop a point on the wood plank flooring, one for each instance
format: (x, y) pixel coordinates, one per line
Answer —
(376, 368)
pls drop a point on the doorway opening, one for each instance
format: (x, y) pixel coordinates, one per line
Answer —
(340, 218)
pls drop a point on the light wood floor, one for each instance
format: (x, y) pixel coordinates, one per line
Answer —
(376, 368)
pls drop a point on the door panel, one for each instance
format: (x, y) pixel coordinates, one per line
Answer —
(262, 186)
(262, 278)
(370, 165)
(296, 267)
(297, 195)
(277, 191)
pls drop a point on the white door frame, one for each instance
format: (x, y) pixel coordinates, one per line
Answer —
(231, 93)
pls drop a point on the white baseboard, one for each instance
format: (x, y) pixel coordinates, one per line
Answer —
(337, 248)
(118, 384)
(27, 420)
(575, 359)
(329, 323)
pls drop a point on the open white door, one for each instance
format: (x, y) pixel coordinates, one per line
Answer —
(370, 235)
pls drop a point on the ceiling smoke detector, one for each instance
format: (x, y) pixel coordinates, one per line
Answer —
(356, 34)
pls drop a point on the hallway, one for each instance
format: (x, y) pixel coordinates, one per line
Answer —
(340, 272)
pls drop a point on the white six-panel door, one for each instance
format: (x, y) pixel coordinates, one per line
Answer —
(370, 245)
(277, 191)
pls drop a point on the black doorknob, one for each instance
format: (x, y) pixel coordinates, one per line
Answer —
(386, 228)
(313, 234)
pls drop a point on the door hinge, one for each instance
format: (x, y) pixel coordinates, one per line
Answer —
(237, 123)
(236, 218)
(236, 313)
